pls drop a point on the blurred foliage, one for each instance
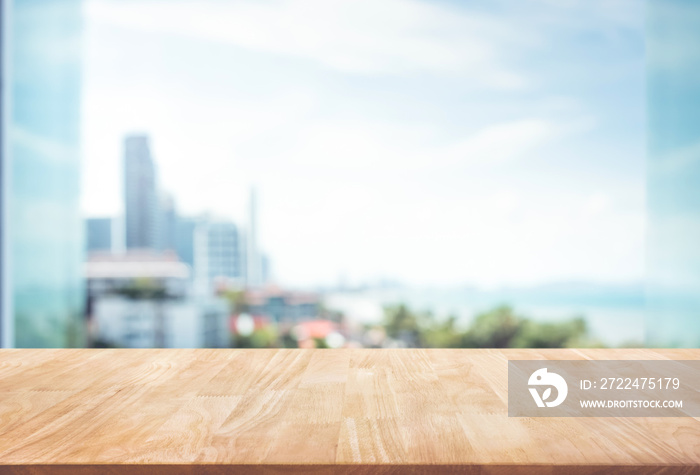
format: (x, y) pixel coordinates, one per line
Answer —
(143, 288)
(443, 334)
(500, 327)
(404, 325)
(98, 343)
(237, 300)
(76, 332)
(53, 331)
(320, 343)
(324, 313)
(497, 328)
(568, 333)
(265, 337)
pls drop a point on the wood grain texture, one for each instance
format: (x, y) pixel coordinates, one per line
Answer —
(311, 411)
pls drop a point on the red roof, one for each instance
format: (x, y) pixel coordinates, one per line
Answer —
(315, 329)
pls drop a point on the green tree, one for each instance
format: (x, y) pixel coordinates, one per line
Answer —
(443, 334)
(496, 328)
(403, 324)
(265, 337)
(500, 327)
(551, 334)
(237, 301)
(143, 288)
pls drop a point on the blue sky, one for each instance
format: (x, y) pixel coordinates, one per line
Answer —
(486, 143)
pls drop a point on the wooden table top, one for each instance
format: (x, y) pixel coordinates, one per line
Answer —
(320, 411)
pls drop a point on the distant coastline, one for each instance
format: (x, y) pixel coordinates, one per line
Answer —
(614, 314)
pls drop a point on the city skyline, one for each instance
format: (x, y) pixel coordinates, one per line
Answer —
(489, 155)
(218, 251)
(478, 154)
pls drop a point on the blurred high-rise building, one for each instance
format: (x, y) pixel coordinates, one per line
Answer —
(141, 201)
(184, 239)
(168, 223)
(99, 234)
(253, 261)
(217, 253)
(41, 231)
(265, 269)
(139, 299)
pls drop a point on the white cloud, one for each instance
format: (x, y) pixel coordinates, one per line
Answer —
(381, 146)
(499, 142)
(459, 188)
(355, 36)
(595, 205)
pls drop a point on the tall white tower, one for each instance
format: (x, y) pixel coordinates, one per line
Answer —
(253, 270)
